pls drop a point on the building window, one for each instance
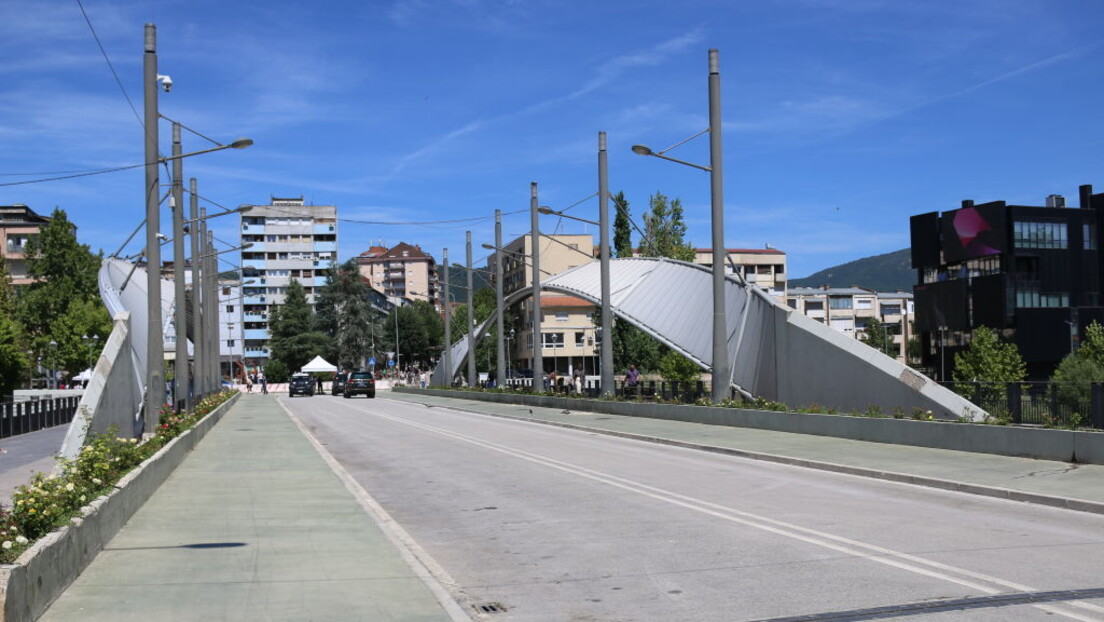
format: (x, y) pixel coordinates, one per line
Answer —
(1029, 296)
(1040, 234)
(552, 340)
(1088, 234)
(792, 302)
(229, 308)
(814, 305)
(561, 316)
(864, 303)
(839, 302)
(580, 339)
(894, 309)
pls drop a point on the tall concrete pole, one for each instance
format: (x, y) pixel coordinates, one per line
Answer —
(472, 376)
(500, 330)
(604, 241)
(215, 358)
(446, 354)
(197, 293)
(722, 375)
(538, 345)
(181, 385)
(155, 346)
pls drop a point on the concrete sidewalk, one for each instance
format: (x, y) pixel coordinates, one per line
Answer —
(255, 525)
(1073, 486)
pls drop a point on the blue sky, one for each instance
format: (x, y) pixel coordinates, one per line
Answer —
(841, 117)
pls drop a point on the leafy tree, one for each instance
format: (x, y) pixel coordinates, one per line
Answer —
(990, 362)
(276, 371)
(62, 303)
(7, 291)
(1093, 346)
(13, 361)
(622, 227)
(344, 313)
(421, 331)
(293, 342)
(878, 337)
(665, 230)
(1081, 368)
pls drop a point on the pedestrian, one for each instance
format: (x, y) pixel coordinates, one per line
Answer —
(553, 379)
(319, 379)
(580, 377)
(423, 379)
(632, 377)
(264, 385)
(248, 384)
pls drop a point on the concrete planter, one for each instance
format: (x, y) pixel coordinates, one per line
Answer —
(1086, 447)
(44, 571)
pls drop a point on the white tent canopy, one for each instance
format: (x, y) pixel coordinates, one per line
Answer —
(319, 364)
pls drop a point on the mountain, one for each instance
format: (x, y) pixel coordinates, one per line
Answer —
(458, 281)
(884, 273)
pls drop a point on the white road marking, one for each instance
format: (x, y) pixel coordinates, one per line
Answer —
(870, 552)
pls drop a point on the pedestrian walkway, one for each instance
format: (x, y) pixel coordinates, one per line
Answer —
(254, 525)
(1076, 486)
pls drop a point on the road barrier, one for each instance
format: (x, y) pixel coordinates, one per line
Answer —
(33, 415)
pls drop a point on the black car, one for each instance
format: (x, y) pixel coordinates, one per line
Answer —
(301, 385)
(339, 383)
(360, 382)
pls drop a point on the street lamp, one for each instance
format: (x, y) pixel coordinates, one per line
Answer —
(606, 346)
(722, 376)
(538, 360)
(53, 366)
(155, 346)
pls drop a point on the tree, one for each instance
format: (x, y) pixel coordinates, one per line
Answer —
(1081, 368)
(674, 367)
(13, 361)
(344, 313)
(293, 341)
(990, 362)
(622, 227)
(62, 303)
(877, 336)
(421, 331)
(665, 230)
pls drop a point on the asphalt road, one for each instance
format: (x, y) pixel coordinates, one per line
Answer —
(26, 454)
(556, 524)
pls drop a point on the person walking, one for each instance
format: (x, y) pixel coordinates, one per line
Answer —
(264, 385)
(580, 378)
(632, 380)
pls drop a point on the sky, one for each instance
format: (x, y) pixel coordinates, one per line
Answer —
(420, 118)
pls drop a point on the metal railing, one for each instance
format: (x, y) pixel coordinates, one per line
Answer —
(1051, 404)
(35, 414)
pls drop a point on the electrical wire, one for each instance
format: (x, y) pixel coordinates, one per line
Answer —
(109, 64)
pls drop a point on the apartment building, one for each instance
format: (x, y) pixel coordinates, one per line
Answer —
(290, 240)
(402, 271)
(567, 327)
(762, 267)
(18, 224)
(849, 310)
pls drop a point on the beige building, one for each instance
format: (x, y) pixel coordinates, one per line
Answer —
(567, 326)
(762, 267)
(18, 224)
(403, 271)
(850, 309)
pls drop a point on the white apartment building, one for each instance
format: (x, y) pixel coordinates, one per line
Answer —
(850, 309)
(291, 240)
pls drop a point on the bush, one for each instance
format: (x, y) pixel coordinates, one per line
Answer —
(276, 371)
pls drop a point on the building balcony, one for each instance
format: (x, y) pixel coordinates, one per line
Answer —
(256, 353)
(256, 300)
(323, 229)
(256, 317)
(256, 333)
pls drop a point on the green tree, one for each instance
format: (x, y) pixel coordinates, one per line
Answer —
(877, 336)
(665, 230)
(293, 341)
(674, 367)
(421, 332)
(13, 360)
(622, 227)
(988, 361)
(62, 304)
(344, 313)
(1080, 369)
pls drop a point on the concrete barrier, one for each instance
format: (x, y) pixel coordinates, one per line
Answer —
(1082, 446)
(44, 571)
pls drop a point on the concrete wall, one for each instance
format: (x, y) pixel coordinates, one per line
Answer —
(45, 570)
(113, 397)
(1045, 444)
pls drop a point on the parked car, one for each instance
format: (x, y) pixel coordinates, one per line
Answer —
(360, 382)
(339, 381)
(301, 384)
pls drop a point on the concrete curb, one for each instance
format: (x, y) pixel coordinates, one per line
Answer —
(1079, 505)
(1075, 446)
(44, 571)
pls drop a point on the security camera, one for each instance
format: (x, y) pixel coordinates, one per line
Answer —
(162, 236)
(166, 82)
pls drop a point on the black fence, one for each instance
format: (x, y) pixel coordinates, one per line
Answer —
(29, 416)
(1051, 404)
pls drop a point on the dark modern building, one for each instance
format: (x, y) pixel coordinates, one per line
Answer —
(1032, 273)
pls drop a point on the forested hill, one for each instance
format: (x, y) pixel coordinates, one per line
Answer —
(884, 273)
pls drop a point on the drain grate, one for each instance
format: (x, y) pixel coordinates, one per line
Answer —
(489, 608)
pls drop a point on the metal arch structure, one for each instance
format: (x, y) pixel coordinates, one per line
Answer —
(777, 353)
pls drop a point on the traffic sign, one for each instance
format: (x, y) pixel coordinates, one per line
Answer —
(372, 362)
(390, 362)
